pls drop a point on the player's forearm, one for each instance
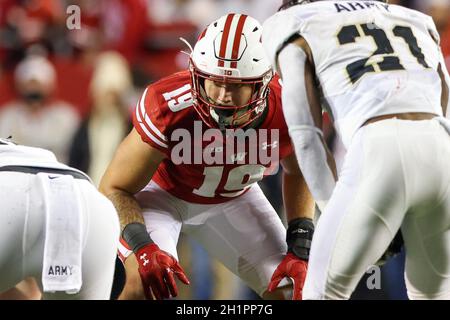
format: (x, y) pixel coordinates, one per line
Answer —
(127, 208)
(298, 201)
(301, 116)
(316, 163)
(299, 207)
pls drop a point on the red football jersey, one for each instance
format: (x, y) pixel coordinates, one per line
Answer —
(203, 165)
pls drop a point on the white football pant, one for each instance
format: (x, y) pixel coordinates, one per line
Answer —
(245, 233)
(22, 217)
(396, 175)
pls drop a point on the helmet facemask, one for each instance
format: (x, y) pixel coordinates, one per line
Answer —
(225, 115)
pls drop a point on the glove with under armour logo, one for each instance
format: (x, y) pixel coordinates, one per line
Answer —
(295, 263)
(156, 267)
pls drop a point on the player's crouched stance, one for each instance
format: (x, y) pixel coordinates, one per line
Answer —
(212, 196)
(56, 227)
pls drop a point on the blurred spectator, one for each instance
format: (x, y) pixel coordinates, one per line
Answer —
(36, 118)
(124, 25)
(76, 55)
(168, 20)
(24, 23)
(118, 25)
(260, 10)
(109, 122)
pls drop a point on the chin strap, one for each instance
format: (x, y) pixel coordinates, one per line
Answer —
(219, 119)
(222, 123)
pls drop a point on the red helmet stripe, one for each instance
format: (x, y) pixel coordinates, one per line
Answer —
(223, 43)
(237, 40)
(202, 34)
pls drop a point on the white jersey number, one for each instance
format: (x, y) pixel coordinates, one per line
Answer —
(357, 69)
(238, 180)
(179, 99)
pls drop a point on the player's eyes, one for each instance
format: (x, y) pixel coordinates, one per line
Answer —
(228, 86)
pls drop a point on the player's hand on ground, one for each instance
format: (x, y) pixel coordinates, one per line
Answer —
(294, 268)
(158, 269)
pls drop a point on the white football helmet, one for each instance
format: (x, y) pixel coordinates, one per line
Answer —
(230, 50)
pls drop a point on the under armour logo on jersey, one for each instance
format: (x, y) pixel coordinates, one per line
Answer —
(273, 145)
(215, 150)
(142, 257)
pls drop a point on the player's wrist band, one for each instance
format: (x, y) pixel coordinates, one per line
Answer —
(136, 236)
(299, 237)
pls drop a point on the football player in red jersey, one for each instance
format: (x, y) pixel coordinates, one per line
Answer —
(200, 142)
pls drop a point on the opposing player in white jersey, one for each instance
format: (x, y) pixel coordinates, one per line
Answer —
(379, 70)
(56, 227)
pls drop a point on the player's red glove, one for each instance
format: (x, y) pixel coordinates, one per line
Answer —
(157, 269)
(295, 263)
(294, 268)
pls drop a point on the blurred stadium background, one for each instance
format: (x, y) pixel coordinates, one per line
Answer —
(72, 91)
